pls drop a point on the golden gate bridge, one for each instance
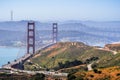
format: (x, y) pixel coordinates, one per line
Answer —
(31, 47)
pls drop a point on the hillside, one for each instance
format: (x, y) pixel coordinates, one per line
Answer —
(62, 54)
(114, 46)
(73, 58)
(111, 61)
(111, 73)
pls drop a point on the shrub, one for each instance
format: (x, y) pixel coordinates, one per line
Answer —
(118, 74)
(71, 77)
(91, 76)
(94, 66)
(97, 71)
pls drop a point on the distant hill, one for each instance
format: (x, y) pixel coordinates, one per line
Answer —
(89, 32)
(9, 38)
(104, 25)
(86, 26)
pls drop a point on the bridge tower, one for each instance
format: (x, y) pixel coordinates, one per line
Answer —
(55, 32)
(31, 37)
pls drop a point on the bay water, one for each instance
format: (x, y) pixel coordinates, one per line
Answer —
(10, 54)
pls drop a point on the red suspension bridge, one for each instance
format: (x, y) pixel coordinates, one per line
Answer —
(18, 64)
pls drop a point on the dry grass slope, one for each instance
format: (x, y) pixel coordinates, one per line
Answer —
(111, 73)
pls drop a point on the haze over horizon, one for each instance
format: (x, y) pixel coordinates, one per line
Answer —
(47, 10)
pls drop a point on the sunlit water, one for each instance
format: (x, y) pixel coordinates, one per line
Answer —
(10, 54)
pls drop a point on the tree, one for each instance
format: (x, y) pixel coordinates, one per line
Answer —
(71, 77)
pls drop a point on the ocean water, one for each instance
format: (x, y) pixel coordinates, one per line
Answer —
(10, 54)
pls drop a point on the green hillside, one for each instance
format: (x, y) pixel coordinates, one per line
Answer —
(67, 54)
(109, 62)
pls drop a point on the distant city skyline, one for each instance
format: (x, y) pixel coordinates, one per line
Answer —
(51, 10)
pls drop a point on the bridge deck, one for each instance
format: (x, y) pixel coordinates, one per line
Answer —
(25, 57)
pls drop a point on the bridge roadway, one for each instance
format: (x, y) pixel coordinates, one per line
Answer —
(26, 57)
(9, 65)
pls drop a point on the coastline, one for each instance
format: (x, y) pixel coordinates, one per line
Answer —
(10, 53)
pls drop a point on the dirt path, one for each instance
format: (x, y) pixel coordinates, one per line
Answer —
(114, 52)
(89, 66)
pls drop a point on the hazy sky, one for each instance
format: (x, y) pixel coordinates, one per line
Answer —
(46, 10)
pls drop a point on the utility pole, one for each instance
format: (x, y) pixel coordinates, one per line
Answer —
(11, 13)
